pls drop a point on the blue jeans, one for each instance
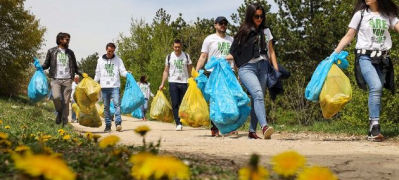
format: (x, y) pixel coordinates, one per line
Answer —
(254, 76)
(144, 107)
(108, 94)
(177, 91)
(73, 112)
(375, 79)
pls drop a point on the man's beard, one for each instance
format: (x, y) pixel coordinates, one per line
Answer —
(221, 31)
(66, 46)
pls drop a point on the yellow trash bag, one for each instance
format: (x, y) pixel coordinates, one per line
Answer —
(193, 109)
(76, 109)
(336, 92)
(88, 115)
(101, 111)
(161, 108)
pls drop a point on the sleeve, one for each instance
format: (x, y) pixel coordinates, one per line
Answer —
(122, 69)
(355, 20)
(189, 62)
(98, 71)
(393, 22)
(46, 63)
(205, 45)
(268, 34)
(166, 60)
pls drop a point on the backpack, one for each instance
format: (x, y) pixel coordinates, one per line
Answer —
(171, 54)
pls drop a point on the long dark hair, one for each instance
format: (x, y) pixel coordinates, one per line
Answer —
(387, 8)
(143, 79)
(249, 24)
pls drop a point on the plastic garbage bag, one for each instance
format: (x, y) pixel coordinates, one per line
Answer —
(336, 92)
(76, 109)
(86, 95)
(201, 80)
(38, 85)
(315, 85)
(161, 108)
(193, 109)
(132, 98)
(137, 113)
(229, 104)
(111, 110)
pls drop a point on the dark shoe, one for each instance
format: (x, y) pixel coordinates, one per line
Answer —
(267, 132)
(375, 134)
(118, 126)
(107, 128)
(58, 119)
(252, 135)
(215, 131)
(64, 122)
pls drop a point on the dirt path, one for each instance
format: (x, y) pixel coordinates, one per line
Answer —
(348, 157)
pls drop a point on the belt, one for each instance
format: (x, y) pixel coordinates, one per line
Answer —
(372, 53)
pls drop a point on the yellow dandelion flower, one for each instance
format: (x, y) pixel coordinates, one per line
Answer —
(7, 127)
(116, 152)
(5, 142)
(66, 137)
(43, 165)
(61, 131)
(89, 135)
(47, 150)
(288, 163)
(96, 137)
(142, 130)
(1, 122)
(22, 148)
(160, 167)
(139, 158)
(3, 136)
(109, 141)
(316, 173)
(248, 173)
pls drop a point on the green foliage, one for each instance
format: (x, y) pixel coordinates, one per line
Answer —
(21, 36)
(89, 64)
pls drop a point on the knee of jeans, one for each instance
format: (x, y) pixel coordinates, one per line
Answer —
(258, 95)
(376, 89)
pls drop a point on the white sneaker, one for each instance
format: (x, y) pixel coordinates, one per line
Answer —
(179, 128)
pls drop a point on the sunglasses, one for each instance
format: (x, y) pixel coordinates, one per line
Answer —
(221, 23)
(258, 16)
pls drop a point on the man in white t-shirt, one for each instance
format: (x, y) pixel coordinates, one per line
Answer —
(74, 84)
(177, 71)
(218, 45)
(108, 71)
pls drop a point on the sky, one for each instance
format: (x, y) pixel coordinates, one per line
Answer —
(94, 23)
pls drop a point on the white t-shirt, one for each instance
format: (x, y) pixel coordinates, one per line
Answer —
(269, 37)
(178, 72)
(217, 46)
(108, 71)
(145, 89)
(373, 33)
(62, 65)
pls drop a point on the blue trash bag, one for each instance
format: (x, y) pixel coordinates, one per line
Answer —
(201, 82)
(132, 98)
(315, 85)
(229, 104)
(112, 109)
(38, 85)
(137, 113)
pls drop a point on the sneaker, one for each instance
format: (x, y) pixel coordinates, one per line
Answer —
(74, 121)
(375, 134)
(118, 127)
(179, 127)
(215, 132)
(252, 135)
(267, 132)
(107, 128)
(64, 122)
(58, 119)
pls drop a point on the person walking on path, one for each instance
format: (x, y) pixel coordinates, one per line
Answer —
(177, 71)
(371, 21)
(218, 45)
(62, 63)
(108, 71)
(145, 88)
(74, 84)
(253, 51)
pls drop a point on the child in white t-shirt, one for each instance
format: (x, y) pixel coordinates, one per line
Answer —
(145, 88)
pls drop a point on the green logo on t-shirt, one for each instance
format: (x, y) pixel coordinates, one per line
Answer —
(62, 57)
(110, 69)
(224, 48)
(379, 27)
(179, 64)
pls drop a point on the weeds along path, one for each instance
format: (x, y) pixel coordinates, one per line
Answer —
(347, 157)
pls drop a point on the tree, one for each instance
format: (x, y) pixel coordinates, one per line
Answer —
(21, 36)
(89, 64)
